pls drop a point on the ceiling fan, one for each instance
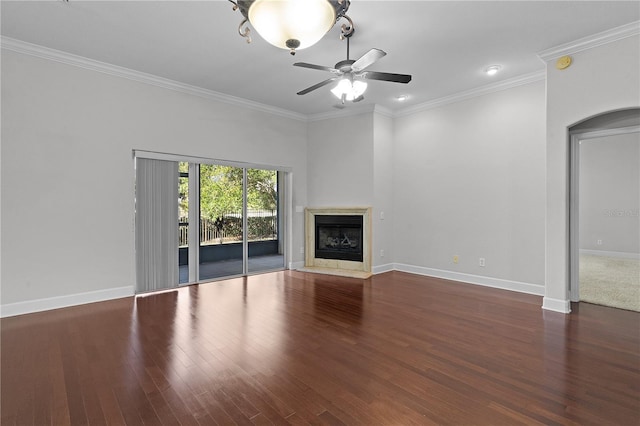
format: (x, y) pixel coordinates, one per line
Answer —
(350, 75)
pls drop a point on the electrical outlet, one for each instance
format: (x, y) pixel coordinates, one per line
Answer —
(599, 242)
(455, 259)
(481, 261)
(301, 250)
(381, 253)
(381, 215)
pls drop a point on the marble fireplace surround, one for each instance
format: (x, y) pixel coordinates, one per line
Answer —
(345, 268)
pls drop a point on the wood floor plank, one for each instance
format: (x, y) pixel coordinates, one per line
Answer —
(296, 348)
(179, 408)
(295, 420)
(110, 407)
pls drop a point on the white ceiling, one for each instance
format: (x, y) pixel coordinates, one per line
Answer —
(445, 45)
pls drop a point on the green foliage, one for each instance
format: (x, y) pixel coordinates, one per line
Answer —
(183, 190)
(262, 191)
(262, 228)
(221, 190)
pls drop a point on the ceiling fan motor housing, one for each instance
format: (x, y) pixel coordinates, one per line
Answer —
(345, 66)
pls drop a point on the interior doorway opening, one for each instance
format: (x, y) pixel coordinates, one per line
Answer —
(604, 210)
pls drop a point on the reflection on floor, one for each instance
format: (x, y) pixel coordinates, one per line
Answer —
(226, 268)
(610, 281)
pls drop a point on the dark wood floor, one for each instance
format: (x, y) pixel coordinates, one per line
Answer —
(296, 348)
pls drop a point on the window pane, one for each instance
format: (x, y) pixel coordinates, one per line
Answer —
(263, 221)
(220, 221)
(183, 221)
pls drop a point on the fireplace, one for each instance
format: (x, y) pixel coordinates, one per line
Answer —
(338, 241)
(338, 237)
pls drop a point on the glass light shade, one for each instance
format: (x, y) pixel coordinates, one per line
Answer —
(278, 21)
(351, 90)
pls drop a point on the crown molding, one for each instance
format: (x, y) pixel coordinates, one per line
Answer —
(23, 47)
(473, 93)
(122, 72)
(585, 43)
(42, 52)
(386, 112)
(341, 113)
(350, 112)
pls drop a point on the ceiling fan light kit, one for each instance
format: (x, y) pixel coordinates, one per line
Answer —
(350, 75)
(291, 24)
(348, 90)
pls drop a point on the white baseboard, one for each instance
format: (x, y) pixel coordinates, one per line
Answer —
(520, 287)
(38, 305)
(556, 305)
(380, 269)
(616, 254)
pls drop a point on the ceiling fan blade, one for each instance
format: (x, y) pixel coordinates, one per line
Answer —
(358, 99)
(367, 59)
(314, 67)
(316, 86)
(386, 76)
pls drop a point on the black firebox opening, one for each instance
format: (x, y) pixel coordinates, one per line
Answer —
(339, 237)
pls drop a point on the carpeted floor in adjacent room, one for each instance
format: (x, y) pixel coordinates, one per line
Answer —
(610, 281)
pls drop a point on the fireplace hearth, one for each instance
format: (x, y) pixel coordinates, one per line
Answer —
(338, 241)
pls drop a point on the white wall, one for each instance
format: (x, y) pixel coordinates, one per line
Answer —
(340, 161)
(609, 193)
(350, 165)
(464, 179)
(469, 181)
(67, 169)
(383, 185)
(601, 79)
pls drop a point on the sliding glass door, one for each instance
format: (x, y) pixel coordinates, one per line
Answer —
(221, 221)
(240, 221)
(199, 221)
(264, 221)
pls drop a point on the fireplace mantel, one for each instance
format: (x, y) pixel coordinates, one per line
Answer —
(347, 268)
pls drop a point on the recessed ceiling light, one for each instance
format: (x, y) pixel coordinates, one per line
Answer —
(402, 98)
(493, 69)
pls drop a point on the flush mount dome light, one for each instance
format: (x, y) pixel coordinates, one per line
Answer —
(290, 24)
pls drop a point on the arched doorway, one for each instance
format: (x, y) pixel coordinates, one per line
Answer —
(604, 210)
